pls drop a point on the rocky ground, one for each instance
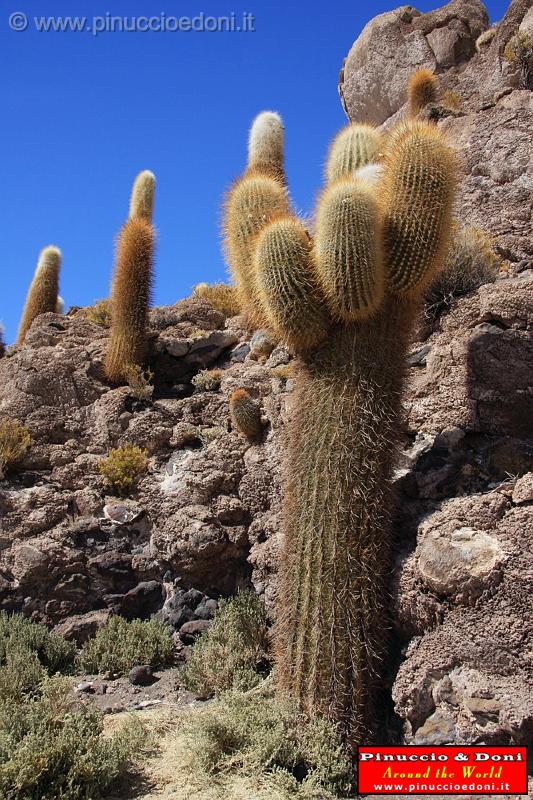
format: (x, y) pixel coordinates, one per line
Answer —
(205, 519)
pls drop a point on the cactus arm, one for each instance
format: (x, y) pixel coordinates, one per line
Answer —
(354, 146)
(348, 249)
(251, 203)
(142, 196)
(418, 187)
(287, 292)
(266, 146)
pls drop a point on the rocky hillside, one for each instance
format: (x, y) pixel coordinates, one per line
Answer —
(205, 518)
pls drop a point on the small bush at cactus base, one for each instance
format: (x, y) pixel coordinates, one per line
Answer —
(121, 645)
(471, 262)
(99, 313)
(208, 380)
(220, 295)
(251, 745)
(20, 635)
(123, 466)
(140, 382)
(14, 442)
(229, 653)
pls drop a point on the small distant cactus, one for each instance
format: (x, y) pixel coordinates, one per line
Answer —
(132, 282)
(344, 302)
(485, 38)
(422, 91)
(245, 414)
(43, 292)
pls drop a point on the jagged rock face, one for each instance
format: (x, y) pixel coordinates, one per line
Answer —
(463, 583)
(493, 115)
(392, 45)
(69, 546)
(206, 518)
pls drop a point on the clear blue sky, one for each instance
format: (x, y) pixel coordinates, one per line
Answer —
(82, 114)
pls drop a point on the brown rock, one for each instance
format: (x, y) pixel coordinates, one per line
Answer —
(374, 77)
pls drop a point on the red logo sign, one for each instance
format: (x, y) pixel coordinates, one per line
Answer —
(442, 770)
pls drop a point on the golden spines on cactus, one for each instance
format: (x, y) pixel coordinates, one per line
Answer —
(251, 203)
(43, 291)
(417, 195)
(422, 90)
(265, 145)
(354, 146)
(286, 286)
(131, 288)
(375, 247)
(142, 196)
(348, 249)
(245, 414)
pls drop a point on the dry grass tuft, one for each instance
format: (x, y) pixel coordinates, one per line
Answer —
(221, 296)
(14, 442)
(471, 262)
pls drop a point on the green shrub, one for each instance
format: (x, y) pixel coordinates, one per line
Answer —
(121, 645)
(123, 466)
(22, 636)
(252, 745)
(471, 262)
(52, 747)
(229, 653)
(221, 296)
(14, 441)
(208, 380)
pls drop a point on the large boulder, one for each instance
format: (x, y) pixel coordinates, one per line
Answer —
(392, 45)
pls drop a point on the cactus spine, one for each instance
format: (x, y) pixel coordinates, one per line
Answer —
(245, 414)
(43, 292)
(345, 305)
(132, 280)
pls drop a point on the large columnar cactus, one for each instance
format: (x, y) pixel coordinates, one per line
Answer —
(43, 291)
(344, 302)
(132, 280)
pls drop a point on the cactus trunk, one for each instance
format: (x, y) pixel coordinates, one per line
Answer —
(331, 633)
